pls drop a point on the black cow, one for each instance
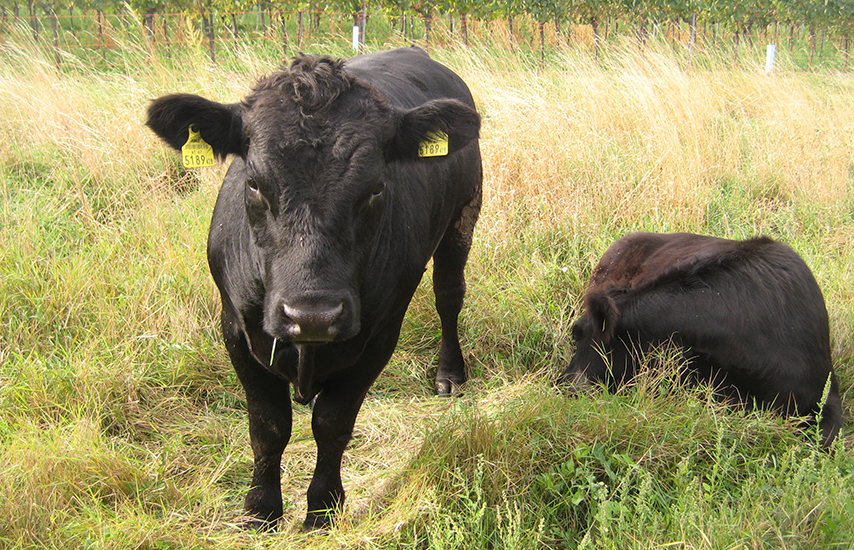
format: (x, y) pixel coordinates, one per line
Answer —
(323, 227)
(748, 316)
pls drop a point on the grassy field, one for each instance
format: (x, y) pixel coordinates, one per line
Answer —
(122, 424)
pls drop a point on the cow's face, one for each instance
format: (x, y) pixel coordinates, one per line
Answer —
(602, 351)
(315, 193)
(316, 144)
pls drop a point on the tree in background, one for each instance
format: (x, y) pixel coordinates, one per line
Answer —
(544, 11)
(593, 13)
(741, 19)
(840, 17)
(463, 9)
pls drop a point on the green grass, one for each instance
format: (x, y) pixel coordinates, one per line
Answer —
(122, 424)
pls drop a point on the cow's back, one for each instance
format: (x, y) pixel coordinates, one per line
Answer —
(641, 259)
(408, 77)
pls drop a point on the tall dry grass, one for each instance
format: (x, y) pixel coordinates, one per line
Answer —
(640, 135)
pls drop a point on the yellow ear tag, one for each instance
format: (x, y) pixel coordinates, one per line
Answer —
(435, 144)
(197, 152)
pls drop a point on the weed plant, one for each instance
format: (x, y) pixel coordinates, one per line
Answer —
(122, 424)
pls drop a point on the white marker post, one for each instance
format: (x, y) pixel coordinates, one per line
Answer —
(356, 38)
(770, 52)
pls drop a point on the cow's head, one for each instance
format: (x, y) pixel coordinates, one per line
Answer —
(602, 350)
(316, 144)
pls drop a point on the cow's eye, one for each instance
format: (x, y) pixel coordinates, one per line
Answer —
(378, 189)
(376, 193)
(253, 193)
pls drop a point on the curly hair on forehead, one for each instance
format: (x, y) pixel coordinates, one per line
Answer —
(311, 82)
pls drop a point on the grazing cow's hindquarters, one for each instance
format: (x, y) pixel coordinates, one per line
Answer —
(748, 316)
(322, 230)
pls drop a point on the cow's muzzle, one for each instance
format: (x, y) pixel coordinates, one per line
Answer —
(318, 321)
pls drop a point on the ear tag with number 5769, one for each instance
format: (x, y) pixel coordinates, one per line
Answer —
(435, 144)
(197, 152)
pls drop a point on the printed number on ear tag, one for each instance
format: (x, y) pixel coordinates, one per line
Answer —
(435, 144)
(197, 152)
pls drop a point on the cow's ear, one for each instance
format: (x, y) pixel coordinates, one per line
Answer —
(460, 122)
(219, 124)
(604, 314)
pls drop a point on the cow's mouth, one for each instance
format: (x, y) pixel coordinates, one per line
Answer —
(304, 376)
(308, 322)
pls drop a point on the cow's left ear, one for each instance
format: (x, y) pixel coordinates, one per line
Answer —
(459, 121)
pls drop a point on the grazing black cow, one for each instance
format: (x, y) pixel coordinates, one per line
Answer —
(323, 227)
(748, 316)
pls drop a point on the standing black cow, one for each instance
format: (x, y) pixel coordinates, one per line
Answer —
(748, 316)
(322, 230)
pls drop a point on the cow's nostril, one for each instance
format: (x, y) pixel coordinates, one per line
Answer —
(315, 323)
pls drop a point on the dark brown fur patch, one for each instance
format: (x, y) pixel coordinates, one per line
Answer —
(639, 260)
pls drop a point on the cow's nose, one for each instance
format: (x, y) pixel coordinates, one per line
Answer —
(315, 323)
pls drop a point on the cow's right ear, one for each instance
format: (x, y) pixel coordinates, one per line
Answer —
(604, 314)
(219, 124)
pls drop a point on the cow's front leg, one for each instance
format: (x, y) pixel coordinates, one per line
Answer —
(269, 406)
(269, 433)
(332, 422)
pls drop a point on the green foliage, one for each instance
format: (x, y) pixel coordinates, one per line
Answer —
(752, 17)
(588, 472)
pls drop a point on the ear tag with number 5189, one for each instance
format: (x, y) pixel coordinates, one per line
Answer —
(197, 152)
(435, 144)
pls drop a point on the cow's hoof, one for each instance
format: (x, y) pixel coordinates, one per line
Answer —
(316, 522)
(447, 388)
(256, 524)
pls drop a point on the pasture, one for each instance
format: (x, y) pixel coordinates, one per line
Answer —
(122, 424)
